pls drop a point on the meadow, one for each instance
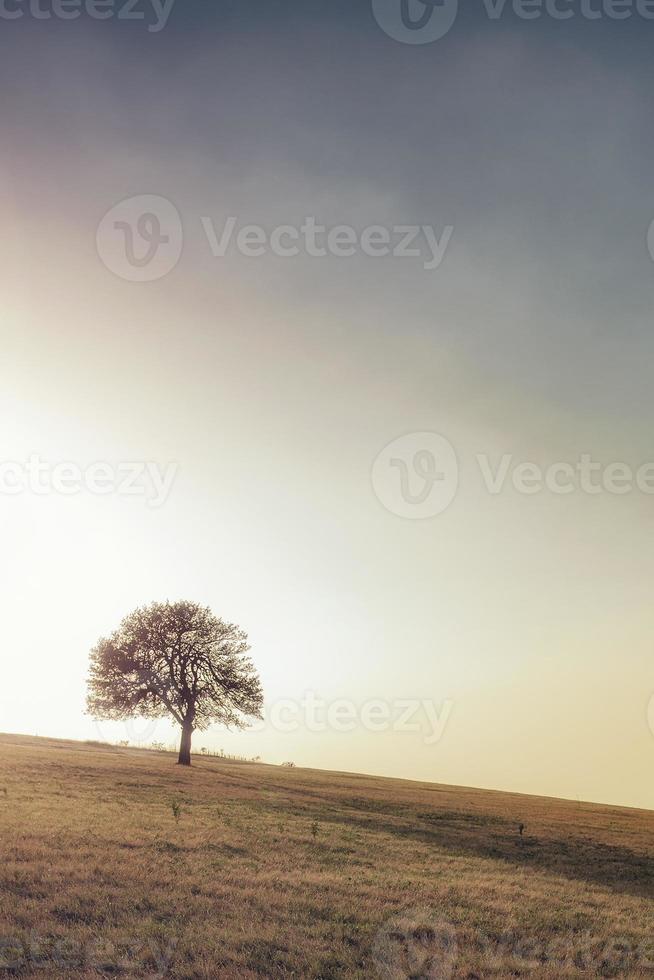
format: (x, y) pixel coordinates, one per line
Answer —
(116, 862)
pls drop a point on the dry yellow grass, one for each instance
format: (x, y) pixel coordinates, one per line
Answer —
(115, 862)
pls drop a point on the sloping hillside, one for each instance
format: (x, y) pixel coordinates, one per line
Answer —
(115, 862)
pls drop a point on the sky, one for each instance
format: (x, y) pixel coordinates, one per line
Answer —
(344, 449)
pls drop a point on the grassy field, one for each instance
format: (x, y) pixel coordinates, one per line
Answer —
(115, 862)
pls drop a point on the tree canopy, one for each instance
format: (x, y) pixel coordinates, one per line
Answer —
(176, 659)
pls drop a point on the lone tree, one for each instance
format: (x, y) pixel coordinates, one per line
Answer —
(175, 659)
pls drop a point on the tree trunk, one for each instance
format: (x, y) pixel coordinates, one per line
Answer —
(185, 745)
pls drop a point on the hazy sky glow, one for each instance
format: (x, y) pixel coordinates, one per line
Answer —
(273, 383)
